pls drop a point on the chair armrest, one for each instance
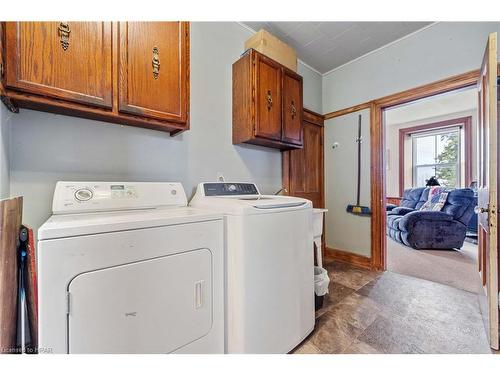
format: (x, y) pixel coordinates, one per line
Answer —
(409, 220)
(402, 210)
(390, 207)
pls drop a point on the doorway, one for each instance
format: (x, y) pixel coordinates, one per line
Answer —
(433, 141)
(485, 80)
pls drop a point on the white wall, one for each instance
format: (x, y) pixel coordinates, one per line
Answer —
(313, 87)
(345, 231)
(46, 148)
(440, 51)
(4, 152)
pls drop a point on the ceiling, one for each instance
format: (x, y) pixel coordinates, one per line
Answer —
(328, 45)
(439, 105)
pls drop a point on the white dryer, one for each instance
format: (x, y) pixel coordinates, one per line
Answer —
(269, 266)
(128, 268)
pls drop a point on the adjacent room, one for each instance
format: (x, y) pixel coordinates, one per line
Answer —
(431, 149)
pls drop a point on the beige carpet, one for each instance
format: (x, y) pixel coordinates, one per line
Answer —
(454, 268)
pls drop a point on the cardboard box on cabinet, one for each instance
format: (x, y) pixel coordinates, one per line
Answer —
(267, 44)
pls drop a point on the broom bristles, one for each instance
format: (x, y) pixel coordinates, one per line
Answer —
(358, 210)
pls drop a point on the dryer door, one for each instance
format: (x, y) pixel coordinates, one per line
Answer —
(152, 306)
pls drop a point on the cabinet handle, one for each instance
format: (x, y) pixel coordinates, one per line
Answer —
(64, 32)
(293, 110)
(269, 100)
(156, 63)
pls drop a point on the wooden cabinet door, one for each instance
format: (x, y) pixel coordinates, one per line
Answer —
(303, 168)
(63, 60)
(292, 107)
(268, 98)
(153, 69)
(306, 166)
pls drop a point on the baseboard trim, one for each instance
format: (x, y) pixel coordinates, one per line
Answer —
(349, 258)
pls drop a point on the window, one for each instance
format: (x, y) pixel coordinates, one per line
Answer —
(437, 153)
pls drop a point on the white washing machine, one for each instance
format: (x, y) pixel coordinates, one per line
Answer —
(128, 268)
(269, 266)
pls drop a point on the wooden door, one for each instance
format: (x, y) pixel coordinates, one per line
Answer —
(292, 107)
(64, 60)
(153, 69)
(268, 98)
(303, 168)
(488, 196)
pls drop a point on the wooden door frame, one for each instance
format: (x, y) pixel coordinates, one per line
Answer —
(378, 259)
(488, 181)
(378, 173)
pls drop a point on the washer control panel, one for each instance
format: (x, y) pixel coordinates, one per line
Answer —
(75, 197)
(212, 189)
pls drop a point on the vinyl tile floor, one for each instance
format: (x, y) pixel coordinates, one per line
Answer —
(368, 312)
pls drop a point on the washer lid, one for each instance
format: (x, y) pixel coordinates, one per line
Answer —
(70, 225)
(251, 204)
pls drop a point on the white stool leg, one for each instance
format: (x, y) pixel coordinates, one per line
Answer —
(317, 242)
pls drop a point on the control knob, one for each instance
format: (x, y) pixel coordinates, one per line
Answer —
(83, 195)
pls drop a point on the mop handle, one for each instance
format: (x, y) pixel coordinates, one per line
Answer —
(359, 161)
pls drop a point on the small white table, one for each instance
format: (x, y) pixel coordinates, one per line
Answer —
(318, 214)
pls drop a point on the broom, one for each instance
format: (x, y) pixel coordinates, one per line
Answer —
(357, 209)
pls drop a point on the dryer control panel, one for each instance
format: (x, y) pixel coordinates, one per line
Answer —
(81, 196)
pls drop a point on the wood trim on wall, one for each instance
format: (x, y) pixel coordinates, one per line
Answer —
(418, 92)
(466, 122)
(348, 257)
(313, 117)
(430, 89)
(346, 111)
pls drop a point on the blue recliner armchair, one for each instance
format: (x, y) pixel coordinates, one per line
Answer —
(445, 229)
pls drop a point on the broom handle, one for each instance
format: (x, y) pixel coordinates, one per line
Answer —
(359, 161)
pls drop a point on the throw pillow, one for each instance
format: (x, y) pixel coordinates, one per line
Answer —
(432, 198)
(442, 200)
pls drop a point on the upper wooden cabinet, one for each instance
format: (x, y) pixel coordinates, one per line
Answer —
(133, 73)
(267, 103)
(153, 69)
(59, 61)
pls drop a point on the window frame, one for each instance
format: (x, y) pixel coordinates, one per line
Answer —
(436, 133)
(465, 122)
